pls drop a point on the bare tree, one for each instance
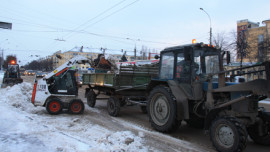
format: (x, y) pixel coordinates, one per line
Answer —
(41, 64)
(221, 40)
(240, 46)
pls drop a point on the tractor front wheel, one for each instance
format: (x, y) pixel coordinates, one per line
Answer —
(228, 134)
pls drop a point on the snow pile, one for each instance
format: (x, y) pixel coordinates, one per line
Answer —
(19, 96)
(28, 128)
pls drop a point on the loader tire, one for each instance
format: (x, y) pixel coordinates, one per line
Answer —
(91, 98)
(76, 106)
(54, 106)
(161, 107)
(228, 134)
(113, 106)
(260, 139)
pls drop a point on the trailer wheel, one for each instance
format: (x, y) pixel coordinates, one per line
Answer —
(54, 106)
(76, 106)
(228, 134)
(161, 108)
(91, 98)
(264, 139)
(113, 106)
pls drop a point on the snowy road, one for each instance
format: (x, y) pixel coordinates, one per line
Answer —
(28, 128)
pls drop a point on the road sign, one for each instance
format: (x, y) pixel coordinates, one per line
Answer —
(5, 25)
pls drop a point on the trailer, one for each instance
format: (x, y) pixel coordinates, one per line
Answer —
(126, 87)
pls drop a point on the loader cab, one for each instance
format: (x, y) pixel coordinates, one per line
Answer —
(64, 83)
(189, 63)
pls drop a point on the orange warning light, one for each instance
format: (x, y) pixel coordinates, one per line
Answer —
(12, 62)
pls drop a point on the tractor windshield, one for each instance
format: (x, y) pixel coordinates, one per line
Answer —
(208, 61)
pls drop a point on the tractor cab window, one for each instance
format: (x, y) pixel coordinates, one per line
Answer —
(167, 63)
(183, 67)
(207, 61)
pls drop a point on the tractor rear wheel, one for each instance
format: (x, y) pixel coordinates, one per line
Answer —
(228, 134)
(54, 106)
(91, 98)
(76, 106)
(161, 107)
(113, 106)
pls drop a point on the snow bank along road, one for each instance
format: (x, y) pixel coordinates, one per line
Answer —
(28, 128)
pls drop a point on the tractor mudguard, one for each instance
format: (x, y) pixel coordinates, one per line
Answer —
(181, 100)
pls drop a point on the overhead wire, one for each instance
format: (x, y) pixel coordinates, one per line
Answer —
(118, 10)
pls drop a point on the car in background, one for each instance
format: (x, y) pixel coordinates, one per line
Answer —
(40, 74)
(29, 73)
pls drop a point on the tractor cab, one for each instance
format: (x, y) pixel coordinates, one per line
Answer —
(189, 63)
(189, 66)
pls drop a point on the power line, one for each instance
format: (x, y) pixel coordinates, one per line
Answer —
(94, 18)
(99, 15)
(112, 13)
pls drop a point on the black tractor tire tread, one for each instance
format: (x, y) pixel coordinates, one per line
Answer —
(115, 112)
(241, 129)
(91, 98)
(172, 124)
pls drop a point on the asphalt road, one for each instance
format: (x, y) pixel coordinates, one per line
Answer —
(133, 115)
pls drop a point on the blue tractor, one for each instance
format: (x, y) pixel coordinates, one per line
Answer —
(191, 87)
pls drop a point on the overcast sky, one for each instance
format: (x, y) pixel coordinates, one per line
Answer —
(42, 27)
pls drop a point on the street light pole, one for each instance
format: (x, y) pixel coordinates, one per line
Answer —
(210, 39)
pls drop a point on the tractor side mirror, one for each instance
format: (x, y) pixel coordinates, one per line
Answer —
(157, 57)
